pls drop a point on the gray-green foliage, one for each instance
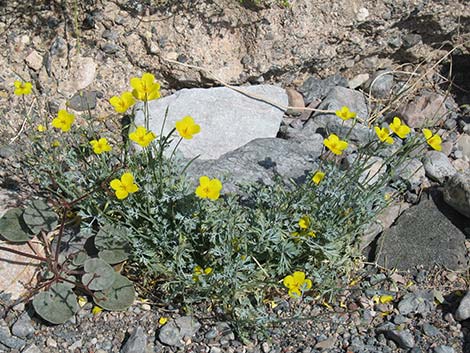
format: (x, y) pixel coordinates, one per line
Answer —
(12, 226)
(57, 304)
(39, 216)
(111, 244)
(119, 296)
(98, 274)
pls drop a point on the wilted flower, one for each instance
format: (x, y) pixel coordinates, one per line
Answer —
(141, 136)
(345, 114)
(145, 88)
(125, 186)
(383, 134)
(63, 121)
(100, 146)
(297, 284)
(122, 103)
(208, 188)
(186, 127)
(22, 88)
(335, 145)
(399, 128)
(433, 140)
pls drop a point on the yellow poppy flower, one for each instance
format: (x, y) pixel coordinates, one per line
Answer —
(318, 177)
(208, 188)
(22, 88)
(399, 128)
(345, 114)
(142, 137)
(125, 186)
(304, 222)
(297, 284)
(145, 88)
(383, 134)
(186, 127)
(100, 146)
(163, 320)
(63, 121)
(41, 128)
(335, 144)
(433, 140)
(122, 103)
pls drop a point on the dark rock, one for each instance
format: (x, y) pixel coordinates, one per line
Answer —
(260, 161)
(136, 343)
(404, 339)
(83, 101)
(110, 48)
(422, 230)
(314, 88)
(110, 35)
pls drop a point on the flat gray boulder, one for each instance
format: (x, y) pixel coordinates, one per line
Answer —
(260, 161)
(422, 235)
(228, 119)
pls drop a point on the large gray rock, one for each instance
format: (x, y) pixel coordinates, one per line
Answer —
(422, 236)
(463, 311)
(457, 193)
(437, 166)
(337, 98)
(260, 161)
(228, 119)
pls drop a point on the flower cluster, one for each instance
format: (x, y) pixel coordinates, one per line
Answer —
(198, 271)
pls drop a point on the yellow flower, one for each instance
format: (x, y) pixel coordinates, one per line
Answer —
(297, 284)
(399, 128)
(82, 301)
(208, 188)
(163, 320)
(121, 104)
(22, 88)
(335, 145)
(186, 127)
(345, 114)
(142, 137)
(199, 271)
(145, 88)
(383, 134)
(125, 186)
(63, 120)
(384, 299)
(304, 222)
(318, 177)
(41, 128)
(433, 140)
(100, 146)
(55, 143)
(96, 310)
